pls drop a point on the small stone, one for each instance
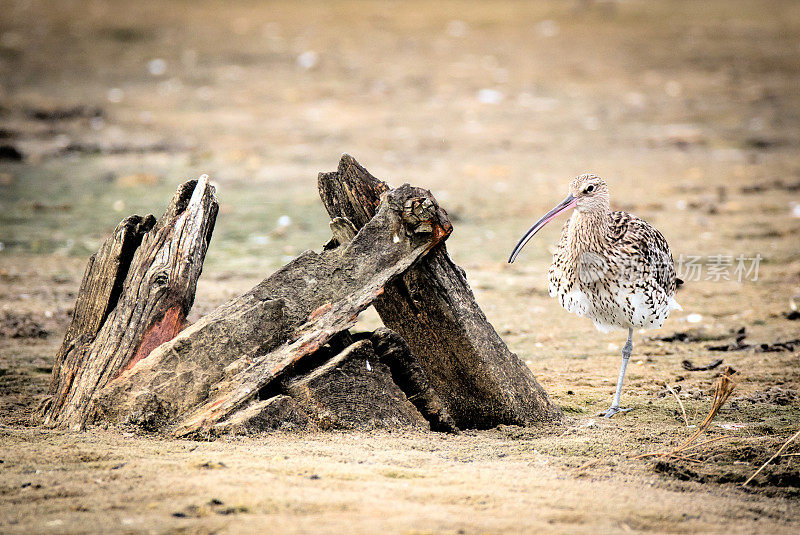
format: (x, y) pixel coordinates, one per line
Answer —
(157, 67)
(307, 60)
(490, 96)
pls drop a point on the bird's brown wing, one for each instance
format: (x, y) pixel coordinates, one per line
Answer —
(639, 240)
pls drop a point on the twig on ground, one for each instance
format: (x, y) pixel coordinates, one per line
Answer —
(777, 453)
(687, 459)
(688, 365)
(701, 444)
(587, 464)
(683, 411)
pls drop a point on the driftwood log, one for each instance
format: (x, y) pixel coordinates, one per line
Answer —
(281, 356)
(241, 352)
(432, 307)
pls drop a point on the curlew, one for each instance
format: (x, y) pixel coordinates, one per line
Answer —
(610, 267)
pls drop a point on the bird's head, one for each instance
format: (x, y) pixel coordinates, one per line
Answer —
(587, 193)
(590, 192)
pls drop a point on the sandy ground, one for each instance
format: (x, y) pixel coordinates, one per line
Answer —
(689, 109)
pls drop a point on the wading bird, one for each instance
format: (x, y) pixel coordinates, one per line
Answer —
(610, 267)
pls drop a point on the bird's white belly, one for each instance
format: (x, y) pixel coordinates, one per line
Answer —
(620, 309)
(647, 310)
(605, 318)
(576, 302)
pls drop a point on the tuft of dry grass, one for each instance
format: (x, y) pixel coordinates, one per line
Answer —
(723, 391)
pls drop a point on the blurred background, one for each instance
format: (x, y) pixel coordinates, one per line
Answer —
(690, 110)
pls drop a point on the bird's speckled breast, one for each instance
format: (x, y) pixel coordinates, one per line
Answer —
(615, 270)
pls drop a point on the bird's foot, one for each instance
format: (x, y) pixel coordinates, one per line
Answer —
(612, 411)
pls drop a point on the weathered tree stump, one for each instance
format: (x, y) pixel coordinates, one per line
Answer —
(238, 353)
(281, 355)
(136, 293)
(432, 307)
(97, 297)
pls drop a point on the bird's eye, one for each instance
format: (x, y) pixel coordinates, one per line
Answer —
(589, 188)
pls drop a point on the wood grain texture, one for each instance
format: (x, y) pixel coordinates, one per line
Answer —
(354, 390)
(278, 412)
(393, 351)
(432, 307)
(98, 294)
(149, 307)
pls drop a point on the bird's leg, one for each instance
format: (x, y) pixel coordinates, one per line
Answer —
(626, 355)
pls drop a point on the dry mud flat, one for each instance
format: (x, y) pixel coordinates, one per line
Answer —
(689, 110)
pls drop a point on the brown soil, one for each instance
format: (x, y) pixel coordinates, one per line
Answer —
(689, 109)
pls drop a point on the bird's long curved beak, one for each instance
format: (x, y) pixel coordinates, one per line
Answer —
(564, 205)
